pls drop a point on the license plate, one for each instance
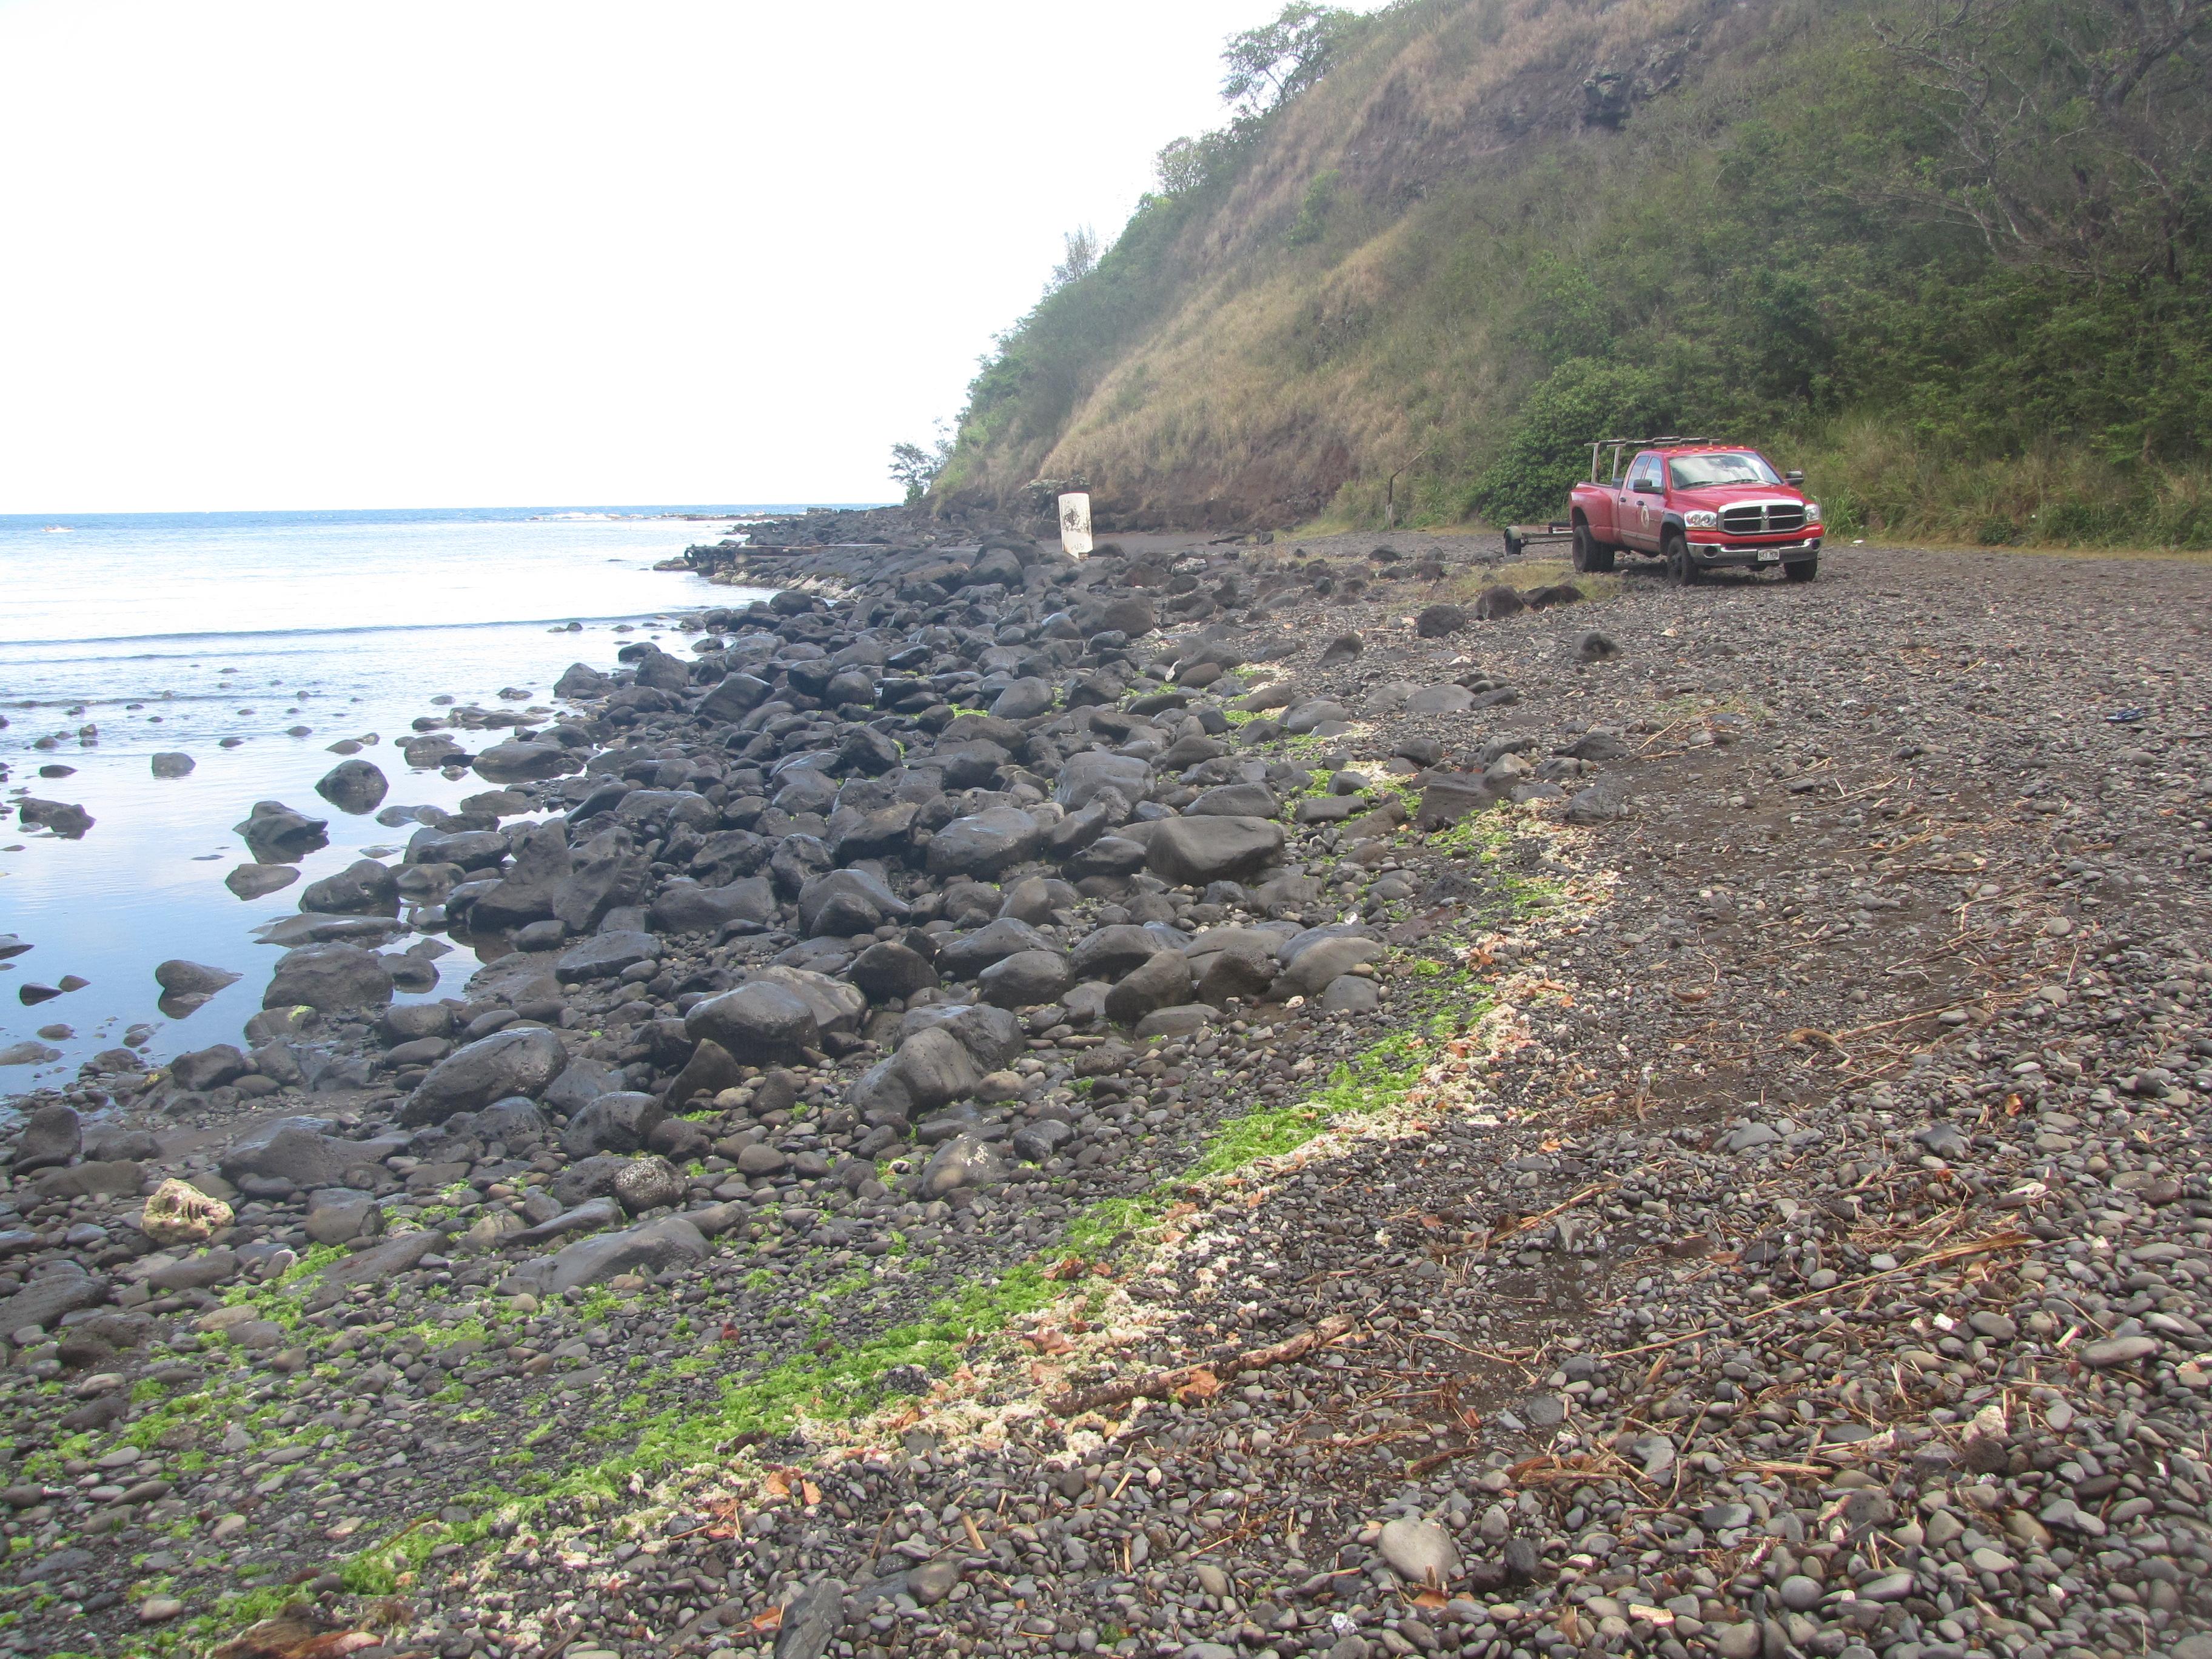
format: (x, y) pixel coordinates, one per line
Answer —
(1769, 555)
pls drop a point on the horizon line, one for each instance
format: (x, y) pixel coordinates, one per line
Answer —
(711, 509)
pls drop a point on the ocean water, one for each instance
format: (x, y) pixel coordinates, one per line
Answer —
(217, 635)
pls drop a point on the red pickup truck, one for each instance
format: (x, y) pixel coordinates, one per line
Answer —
(1698, 505)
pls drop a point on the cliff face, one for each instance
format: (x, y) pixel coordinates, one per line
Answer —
(1250, 348)
(1497, 228)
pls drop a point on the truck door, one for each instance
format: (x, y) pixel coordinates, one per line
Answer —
(1640, 510)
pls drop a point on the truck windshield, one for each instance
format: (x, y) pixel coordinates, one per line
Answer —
(1698, 471)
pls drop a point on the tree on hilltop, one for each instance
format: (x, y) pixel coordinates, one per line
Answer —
(1272, 64)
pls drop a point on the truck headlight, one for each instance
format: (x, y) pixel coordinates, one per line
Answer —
(1701, 520)
(1812, 512)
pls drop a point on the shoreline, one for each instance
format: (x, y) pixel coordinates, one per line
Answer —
(899, 1003)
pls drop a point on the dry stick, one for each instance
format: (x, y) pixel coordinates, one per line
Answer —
(1527, 1222)
(1163, 1384)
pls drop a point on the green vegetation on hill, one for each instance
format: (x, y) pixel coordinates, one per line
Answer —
(1952, 258)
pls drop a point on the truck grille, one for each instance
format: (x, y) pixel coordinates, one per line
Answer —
(1756, 519)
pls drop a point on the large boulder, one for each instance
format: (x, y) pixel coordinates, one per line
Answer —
(964, 956)
(65, 819)
(515, 1122)
(1192, 851)
(354, 785)
(517, 760)
(690, 907)
(51, 1137)
(844, 902)
(734, 697)
(474, 850)
(378, 1264)
(711, 1069)
(1085, 775)
(671, 1242)
(985, 843)
(107, 1180)
(179, 978)
(650, 1183)
(589, 1178)
(339, 1215)
(1023, 699)
(885, 832)
(991, 1036)
(964, 1161)
(606, 871)
(868, 752)
(274, 834)
(298, 1150)
(1437, 622)
(1026, 979)
(1234, 800)
(613, 1123)
(1162, 982)
(580, 1082)
(760, 1022)
(207, 1068)
(44, 1301)
(931, 1068)
(658, 669)
(329, 978)
(888, 968)
(580, 679)
(526, 893)
(254, 881)
(836, 1006)
(1234, 962)
(972, 765)
(1448, 797)
(1112, 952)
(1310, 964)
(520, 1061)
(605, 956)
(363, 888)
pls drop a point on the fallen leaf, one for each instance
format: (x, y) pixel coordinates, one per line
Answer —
(765, 1622)
(1203, 1385)
(1048, 1342)
(812, 1492)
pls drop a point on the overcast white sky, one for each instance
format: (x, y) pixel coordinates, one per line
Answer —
(301, 254)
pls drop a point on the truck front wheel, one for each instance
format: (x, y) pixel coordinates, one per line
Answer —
(1675, 549)
(1590, 555)
(1803, 570)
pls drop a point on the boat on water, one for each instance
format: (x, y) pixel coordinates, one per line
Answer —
(60, 529)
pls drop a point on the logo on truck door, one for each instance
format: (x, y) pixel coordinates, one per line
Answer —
(1646, 472)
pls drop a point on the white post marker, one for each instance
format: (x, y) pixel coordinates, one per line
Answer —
(1075, 525)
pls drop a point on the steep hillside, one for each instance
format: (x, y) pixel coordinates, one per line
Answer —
(1494, 228)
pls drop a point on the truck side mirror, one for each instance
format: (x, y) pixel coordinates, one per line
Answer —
(1793, 477)
(1646, 486)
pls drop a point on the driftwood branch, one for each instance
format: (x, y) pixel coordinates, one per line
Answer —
(1161, 1385)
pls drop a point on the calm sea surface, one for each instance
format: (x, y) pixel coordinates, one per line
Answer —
(123, 635)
